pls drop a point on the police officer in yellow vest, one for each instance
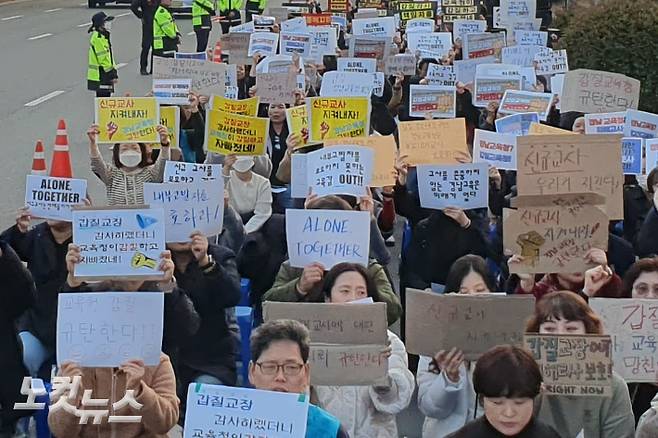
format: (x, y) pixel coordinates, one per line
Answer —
(166, 36)
(202, 10)
(101, 73)
(230, 12)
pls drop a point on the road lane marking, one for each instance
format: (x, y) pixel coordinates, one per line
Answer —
(53, 10)
(38, 37)
(13, 17)
(121, 65)
(84, 24)
(190, 33)
(84, 4)
(42, 99)
(124, 14)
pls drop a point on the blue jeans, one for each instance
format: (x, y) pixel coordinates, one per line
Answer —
(34, 352)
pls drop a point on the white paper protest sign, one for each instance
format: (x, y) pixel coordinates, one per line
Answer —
(640, 124)
(200, 56)
(443, 75)
(188, 173)
(498, 70)
(514, 102)
(651, 154)
(419, 25)
(530, 38)
(518, 10)
(299, 43)
(297, 24)
(357, 65)
(107, 329)
(492, 88)
(529, 78)
(345, 170)
(48, 197)
(465, 69)
(439, 101)
(551, 62)
(522, 56)
(346, 84)
(218, 410)
(498, 150)
(172, 91)
(298, 176)
(557, 82)
(119, 243)
(381, 26)
(480, 45)
(190, 207)
(605, 123)
(516, 124)
(631, 155)
(264, 43)
(323, 42)
(462, 186)
(327, 237)
(462, 27)
(404, 63)
(430, 45)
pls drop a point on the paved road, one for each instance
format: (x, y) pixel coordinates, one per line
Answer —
(44, 47)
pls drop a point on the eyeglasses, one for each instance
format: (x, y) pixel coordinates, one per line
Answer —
(271, 368)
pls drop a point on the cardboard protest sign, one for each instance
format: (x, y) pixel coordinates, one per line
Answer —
(419, 25)
(498, 150)
(48, 197)
(276, 88)
(479, 45)
(593, 91)
(188, 173)
(172, 91)
(551, 62)
(400, 64)
(408, 10)
(437, 100)
(338, 117)
(128, 326)
(297, 121)
(433, 141)
(651, 154)
(530, 38)
(430, 45)
(346, 339)
(127, 119)
(199, 56)
(385, 151)
(573, 365)
(207, 77)
(562, 164)
(346, 84)
(461, 27)
(327, 237)
(299, 43)
(297, 24)
(492, 89)
(471, 323)
(263, 43)
(237, 46)
(465, 70)
(197, 206)
(382, 26)
(516, 124)
(228, 133)
(243, 107)
(526, 102)
(606, 123)
(443, 75)
(462, 186)
(368, 47)
(632, 324)
(640, 124)
(541, 129)
(631, 155)
(124, 242)
(170, 119)
(357, 65)
(213, 410)
(555, 235)
(523, 56)
(454, 10)
(341, 170)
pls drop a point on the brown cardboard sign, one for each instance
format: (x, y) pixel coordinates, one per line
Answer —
(471, 323)
(441, 141)
(345, 365)
(593, 91)
(276, 88)
(540, 129)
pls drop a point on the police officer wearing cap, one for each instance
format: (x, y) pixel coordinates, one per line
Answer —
(102, 72)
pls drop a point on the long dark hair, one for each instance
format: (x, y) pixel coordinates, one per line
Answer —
(341, 268)
(465, 265)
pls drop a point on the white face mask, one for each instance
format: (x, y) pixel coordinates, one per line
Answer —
(108, 25)
(130, 158)
(243, 164)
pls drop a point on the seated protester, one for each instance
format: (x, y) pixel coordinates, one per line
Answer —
(647, 244)
(641, 281)
(599, 281)
(565, 313)
(445, 384)
(648, 424)
(154, 388)
(126, 175)
(18, 295)
(366, 411)
(181, 320)
(507, 380)
(305, 285)
(43, 248)
(248, 193)
(279, 362)
(262, 163)
(209, 275)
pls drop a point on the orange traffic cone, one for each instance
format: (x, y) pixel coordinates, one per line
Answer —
(39, 160)
(61, 164)
(217, 53)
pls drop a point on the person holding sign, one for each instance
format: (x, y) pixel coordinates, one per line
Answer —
(248, 193)
(565, 313)
(445, 387)
(102, 72)
(507, 380)
(279, 362)
(366, 411)
(126, 175)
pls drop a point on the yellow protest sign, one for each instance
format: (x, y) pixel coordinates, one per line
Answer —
(385, 149)
(297, 120)
(170, 119)
(539, 129)
(228, 133)
(127, 119)
(244, 107)
(336, 117)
